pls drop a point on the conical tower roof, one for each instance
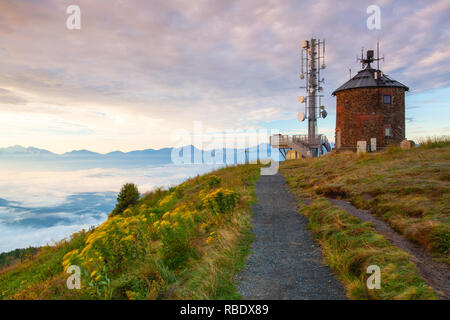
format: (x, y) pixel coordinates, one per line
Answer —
(367, 78)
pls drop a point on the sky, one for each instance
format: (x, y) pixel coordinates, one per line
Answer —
(139, 71)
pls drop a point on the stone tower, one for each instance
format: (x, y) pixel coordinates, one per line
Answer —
(370, 106)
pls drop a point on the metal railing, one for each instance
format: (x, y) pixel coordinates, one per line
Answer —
(277, 140)
(301, 143)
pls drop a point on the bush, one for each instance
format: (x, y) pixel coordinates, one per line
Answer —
(176, 247)
(128, 196)
(221, 200)
(214, 180)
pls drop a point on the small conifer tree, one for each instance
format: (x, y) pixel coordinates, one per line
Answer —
(128, 196)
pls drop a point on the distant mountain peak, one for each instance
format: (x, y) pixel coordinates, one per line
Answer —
(81, 152)
(17, 149)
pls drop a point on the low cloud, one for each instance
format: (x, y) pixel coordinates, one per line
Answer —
(38, 207)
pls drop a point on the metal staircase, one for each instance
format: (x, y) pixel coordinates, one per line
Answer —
(300, 143)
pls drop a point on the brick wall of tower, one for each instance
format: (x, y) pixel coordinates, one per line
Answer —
(362, 115)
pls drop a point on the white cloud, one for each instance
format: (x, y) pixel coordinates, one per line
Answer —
(122, 83)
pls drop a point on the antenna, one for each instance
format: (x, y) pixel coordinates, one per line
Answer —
(370, 58)
(313, 59)
(378, 55)
(301, 65)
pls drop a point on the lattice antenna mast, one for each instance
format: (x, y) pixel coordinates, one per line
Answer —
(312, 61)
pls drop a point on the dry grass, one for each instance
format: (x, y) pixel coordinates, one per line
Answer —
(350, 246)
(407, 188)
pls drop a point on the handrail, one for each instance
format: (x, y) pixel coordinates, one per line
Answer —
(302, 139)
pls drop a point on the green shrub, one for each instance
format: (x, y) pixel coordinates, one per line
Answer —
(221, 200)
(176, 247)
(128, 196)
(214, 181)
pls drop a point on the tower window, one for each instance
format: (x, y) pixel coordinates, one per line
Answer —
(387, 99)
(387, 132)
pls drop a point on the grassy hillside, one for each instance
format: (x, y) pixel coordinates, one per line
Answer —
(190, 242)
(18, 255)
(407, 188)
(185, 243)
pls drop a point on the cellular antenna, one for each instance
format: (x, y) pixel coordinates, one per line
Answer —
(312, 60)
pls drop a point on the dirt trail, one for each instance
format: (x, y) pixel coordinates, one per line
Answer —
(436, 274)
(285, 262)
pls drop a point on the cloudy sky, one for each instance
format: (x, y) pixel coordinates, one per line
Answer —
(137, 71)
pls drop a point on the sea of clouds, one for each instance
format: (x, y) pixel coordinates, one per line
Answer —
(41, 207)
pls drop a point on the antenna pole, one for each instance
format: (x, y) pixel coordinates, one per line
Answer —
(362, 57)
(312, 120)
(323, 53)
(378, 54)
(314, 60)
(301, 64)
(318, 64)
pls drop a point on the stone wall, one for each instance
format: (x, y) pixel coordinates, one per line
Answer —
(362, 115)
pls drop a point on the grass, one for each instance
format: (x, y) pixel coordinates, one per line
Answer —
(351, 246)
(188, 242)
(409, 189)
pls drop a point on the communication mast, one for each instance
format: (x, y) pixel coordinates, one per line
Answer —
(311, 145)
(312, 61)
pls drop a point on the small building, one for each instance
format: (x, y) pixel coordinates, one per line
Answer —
(370, 107)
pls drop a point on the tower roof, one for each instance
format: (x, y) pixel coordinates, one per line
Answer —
(366, 78)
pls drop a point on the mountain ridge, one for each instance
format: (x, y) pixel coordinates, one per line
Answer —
(20, 150)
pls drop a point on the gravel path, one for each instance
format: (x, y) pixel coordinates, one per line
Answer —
(285, 262)
(436, 274)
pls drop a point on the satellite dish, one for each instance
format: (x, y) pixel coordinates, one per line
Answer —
(324, 66)
(301, 116)
(324, 114)
(301, 99)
